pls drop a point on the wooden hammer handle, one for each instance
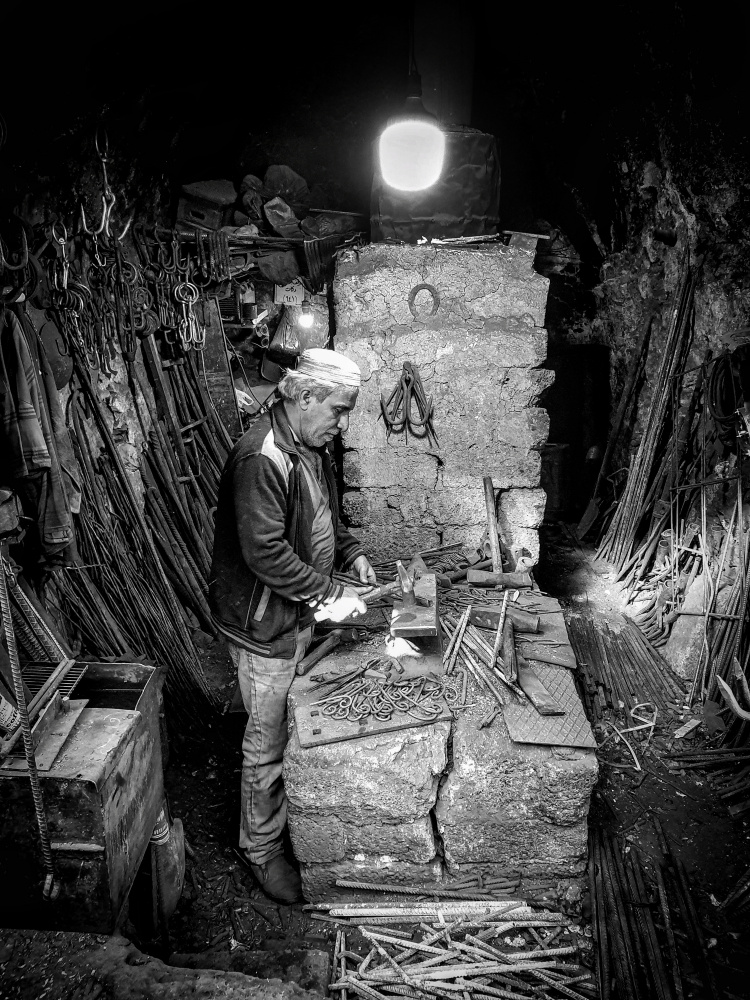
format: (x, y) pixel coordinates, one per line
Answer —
(308, 662)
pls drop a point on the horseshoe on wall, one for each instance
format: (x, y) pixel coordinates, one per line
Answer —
(424, 288)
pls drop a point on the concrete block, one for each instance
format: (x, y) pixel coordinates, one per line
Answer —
(502, 797)
(322, 838)
(534, 847)
(478, 355)
(319, 881)
(389, 778)
(521, 507)
(373, 284)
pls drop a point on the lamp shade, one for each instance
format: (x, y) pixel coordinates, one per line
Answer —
(411, 152)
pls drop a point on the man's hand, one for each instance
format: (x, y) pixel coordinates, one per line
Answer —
(366, 573)
(349, 605)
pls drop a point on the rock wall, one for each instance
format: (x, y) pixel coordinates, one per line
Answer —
(477, 336)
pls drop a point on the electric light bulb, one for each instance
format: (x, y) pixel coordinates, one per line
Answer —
(411, 154)
(306, 316)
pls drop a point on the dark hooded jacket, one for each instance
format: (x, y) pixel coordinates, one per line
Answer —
(263, 588)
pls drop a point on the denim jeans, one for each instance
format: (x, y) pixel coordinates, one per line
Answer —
(264, 684)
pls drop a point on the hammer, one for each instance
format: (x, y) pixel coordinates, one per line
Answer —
(323, 648)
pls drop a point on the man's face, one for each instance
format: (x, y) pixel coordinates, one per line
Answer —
(320, 422)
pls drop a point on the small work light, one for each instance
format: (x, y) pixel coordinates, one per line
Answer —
(307, 316)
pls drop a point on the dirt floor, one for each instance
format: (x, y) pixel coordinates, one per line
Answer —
(223, 921)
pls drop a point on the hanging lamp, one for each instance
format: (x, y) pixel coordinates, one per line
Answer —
(411, 148)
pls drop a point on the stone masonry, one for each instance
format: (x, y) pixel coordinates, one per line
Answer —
(424, 804)
(477, 336)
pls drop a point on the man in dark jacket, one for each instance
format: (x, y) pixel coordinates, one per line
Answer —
(277, 539)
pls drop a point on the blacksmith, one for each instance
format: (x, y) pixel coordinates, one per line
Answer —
(278, 538)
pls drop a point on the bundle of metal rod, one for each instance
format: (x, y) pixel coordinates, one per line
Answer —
(624, 530)
(477, 657)
(728, 771)
(679, 912)
(439, 956)
(620, 672)
(117, 597)
(629, 950)
(738, 900)
(725, 644)
(492, 888)
(32, 626)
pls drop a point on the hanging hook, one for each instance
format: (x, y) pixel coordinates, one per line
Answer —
(4, 265)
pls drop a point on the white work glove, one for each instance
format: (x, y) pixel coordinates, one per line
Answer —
(348, 605)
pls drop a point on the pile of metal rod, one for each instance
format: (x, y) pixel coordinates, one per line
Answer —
(472, 887)
(619, 672)
(726, 638)
(737, 902)
(470, 654)
(455, 949)
(727, 769)
(625, 529)
(117, 597)
(637, 922)
(181, 473)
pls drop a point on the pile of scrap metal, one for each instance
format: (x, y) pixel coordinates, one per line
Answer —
(674, 518)
(433, 945)
(490, 615)
(649, 939)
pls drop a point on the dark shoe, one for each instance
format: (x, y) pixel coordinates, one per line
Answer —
(278, 880)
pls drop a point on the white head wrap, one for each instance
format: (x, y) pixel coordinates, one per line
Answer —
(328, 368)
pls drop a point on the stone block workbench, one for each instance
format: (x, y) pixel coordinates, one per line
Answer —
(423, 804)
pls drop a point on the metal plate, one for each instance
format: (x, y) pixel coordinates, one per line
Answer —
(526, 725)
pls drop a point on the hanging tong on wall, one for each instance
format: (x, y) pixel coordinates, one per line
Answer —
(397, 410)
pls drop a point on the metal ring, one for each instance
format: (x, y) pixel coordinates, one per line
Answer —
(424, 288)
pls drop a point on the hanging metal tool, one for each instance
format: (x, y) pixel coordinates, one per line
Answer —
(398, 409)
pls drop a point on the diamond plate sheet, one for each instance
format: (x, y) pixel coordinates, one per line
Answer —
(526, 725)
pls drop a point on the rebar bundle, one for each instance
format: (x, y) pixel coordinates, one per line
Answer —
(448, 960)
(118, 596)
(636, 919)
(619, 671)
(625, 528)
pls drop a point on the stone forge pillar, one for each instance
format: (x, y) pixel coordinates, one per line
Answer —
(476, 334)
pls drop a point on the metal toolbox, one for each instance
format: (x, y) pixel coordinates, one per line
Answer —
(100, 768)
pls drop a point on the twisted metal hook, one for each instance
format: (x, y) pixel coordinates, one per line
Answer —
(5, 266)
